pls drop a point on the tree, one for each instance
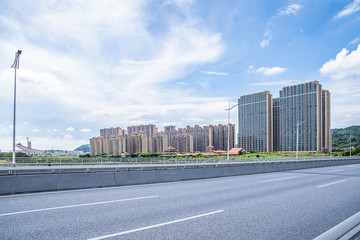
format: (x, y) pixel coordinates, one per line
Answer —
(341, 137)
(84, 148)
(87, 155)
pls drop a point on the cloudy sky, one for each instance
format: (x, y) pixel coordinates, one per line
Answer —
(91, 64)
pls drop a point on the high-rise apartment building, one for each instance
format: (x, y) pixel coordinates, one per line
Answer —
(147, 129)
(158, 142)
(256, 122)
(213, 135)
(218, 136)
(306, 107)
(108, 132)
(303, 111)
(97, 145)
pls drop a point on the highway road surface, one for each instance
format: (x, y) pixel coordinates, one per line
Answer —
(299, 204)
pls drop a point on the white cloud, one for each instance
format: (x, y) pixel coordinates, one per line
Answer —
(83, 75)
(193, 120)
(68, 136)
(344, 65)
(82, 22)
(70, 129)
(354, 41)
(35, 130)
(349, 9)
(271, 71)
(344, 71)
(266, 42)
(216, 73)
(345, 102)
(182, 47)
(4, 131)
(281, 83)
(181, 3)
(291, 9)
(85, 130)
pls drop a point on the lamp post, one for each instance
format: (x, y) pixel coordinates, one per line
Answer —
(350, 145)
(297, 139)
(15, 66)
(330, 144)
(228, 142)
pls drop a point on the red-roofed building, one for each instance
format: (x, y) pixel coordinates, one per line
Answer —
(170, 151)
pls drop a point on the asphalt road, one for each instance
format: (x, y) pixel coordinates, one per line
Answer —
(298, 204)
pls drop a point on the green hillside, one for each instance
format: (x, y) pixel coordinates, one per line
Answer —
(85, 148)
(341, 137)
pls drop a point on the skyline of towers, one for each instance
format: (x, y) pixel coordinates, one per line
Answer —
(270, 124)
(301, 114)
(148, 139)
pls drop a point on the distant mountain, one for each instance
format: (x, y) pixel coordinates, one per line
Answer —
(341, 137)
(85, 148)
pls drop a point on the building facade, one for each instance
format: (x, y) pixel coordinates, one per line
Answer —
(147, 129)
(97, 145)
(304, 111)
(300, 115)
(146, 138)
(256, 122)
(108, 132)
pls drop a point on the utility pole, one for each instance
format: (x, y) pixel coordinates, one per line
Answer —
(15, 66)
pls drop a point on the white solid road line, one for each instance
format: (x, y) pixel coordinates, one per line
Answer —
(277, 179)
(353, 166)
(338, 170)
(331, 183)
(155, 226)
(78, 205)
(104, 188)
(57, 192)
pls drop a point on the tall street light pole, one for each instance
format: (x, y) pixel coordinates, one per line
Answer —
(297, 139)
(350, 145)
(228, 142)
(15, 66)
(330, 144)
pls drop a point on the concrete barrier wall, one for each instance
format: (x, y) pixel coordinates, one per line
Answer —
(13, 184)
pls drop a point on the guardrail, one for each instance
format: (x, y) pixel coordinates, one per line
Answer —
(64, 168)
(349, 229)
(21, 179)
(48, 161)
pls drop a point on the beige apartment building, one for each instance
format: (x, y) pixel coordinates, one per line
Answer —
(146, 138)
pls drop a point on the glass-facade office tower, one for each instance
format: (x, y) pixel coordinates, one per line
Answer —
(256, 122)
(308, 106)
(267, 124)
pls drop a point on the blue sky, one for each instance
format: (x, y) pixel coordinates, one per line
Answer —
(88, 65)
